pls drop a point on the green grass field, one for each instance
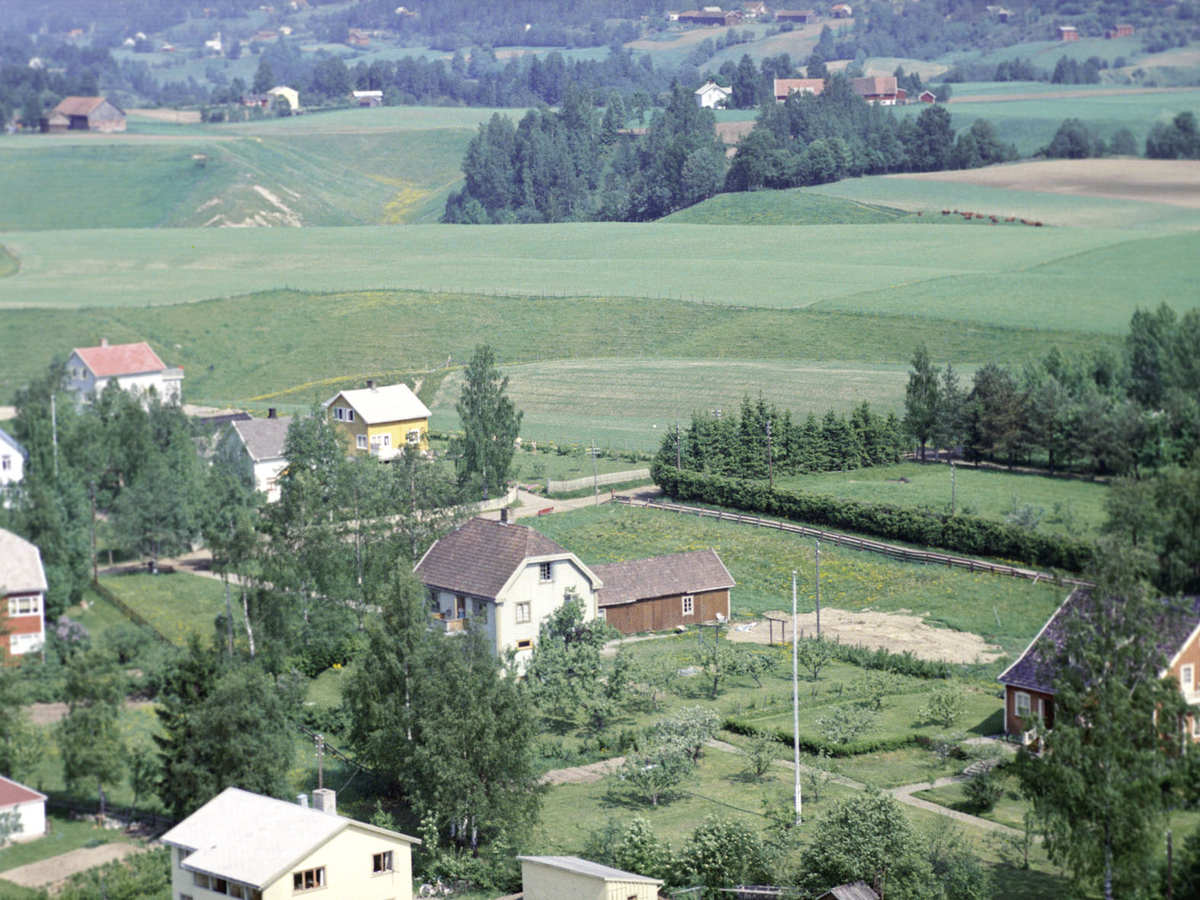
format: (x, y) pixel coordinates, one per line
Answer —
(64, 835)
(392, 335)
(790, 207)
(178, 605)
(1070, 505)
(1004, 611)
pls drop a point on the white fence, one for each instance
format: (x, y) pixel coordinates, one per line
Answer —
(578, 484)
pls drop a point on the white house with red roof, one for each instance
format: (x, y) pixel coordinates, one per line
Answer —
(22, 596)
(134, 367)
(28, 804)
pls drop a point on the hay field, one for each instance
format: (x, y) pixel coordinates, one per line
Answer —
(1174, 182)
(627, 403)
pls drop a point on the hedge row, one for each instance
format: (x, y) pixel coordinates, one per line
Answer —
(972, 535)
(816, 745)
(905, 663)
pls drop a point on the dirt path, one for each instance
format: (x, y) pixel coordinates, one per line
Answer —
(583, 774)
(58, 868)
(894, 631)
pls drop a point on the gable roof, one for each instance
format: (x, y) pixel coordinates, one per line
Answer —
(785, 86)
(480, 556)
(1035, 668)
(12, 793)
(587, 867)
(263, 438)
(393, 403)
(859, 890)
(711, 85)
(254, 839)
(870, 87)
(20, 565)
(7, 438)
(111, 360)
(662, 576)
(82, 106)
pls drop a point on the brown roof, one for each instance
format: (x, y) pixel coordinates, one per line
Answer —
(120, 359)
(480, 556)
(79, 106)
(869, 87)
(263, 438)
(785, 86)
(662, 576)
(12, 793)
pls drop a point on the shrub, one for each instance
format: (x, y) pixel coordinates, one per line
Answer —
(761, 753)
(984, 790)
(843, 724)
(946, 704)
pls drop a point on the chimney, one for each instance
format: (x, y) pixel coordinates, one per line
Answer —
(504, 515)
(103, 342)
(271, 412)
(371, 384)
(325, 800)
(302, 799)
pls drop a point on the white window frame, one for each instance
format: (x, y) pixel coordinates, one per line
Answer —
(360, 441)
(343, 414)
(1196, 725)
(1187, 678)
(6, 463)
(689, 605)
(414, 436)
(1017, 698)
(524, 612)
(545, 572)
(25, 606)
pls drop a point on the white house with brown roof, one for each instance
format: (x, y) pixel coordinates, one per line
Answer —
(28, 805)
(263, 441)
(22, 596)
(663, 592)
(134, 367)
(505, 579)
(87, 114)
(252, 847)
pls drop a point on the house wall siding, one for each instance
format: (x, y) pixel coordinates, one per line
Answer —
(22, 625)
(1190, 656)
(1038, 700)
(32, 819)
(663, 613)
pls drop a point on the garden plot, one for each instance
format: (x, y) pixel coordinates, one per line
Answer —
(897, 632)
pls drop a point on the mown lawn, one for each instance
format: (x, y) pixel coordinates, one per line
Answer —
(65, 834)
(1071, 506)
(1004, 611)
(176, 604)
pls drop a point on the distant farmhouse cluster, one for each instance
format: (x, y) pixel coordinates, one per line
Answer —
(753, 10)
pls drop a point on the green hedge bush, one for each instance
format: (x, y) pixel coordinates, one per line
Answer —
(972, 535)
(817, 745)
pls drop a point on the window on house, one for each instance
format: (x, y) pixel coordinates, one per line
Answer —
(238, 891)
(525, 644)
(414, 436)
(1022, 704)
(1195, 726)
(689, 605)
(6, 464)
(481, 611)
(1187, 679)
(219, 886)
(360, 441)
(522, 612)
(387, 440)
(544, 571)
(308, 880)
(24, 606)
(199, 880)
(381, 862)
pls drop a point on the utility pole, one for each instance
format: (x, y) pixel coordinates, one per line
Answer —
(795, 699)
(95, 571)
(770, 460)
(818, 588)
(952, 486)
(54, 432)
(595, 477)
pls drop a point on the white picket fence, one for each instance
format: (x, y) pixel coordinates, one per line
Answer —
(578, 484)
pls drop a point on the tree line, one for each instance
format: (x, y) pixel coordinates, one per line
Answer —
(1130, 412)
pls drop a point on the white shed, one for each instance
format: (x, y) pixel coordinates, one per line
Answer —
(28, 804)
(572, 878)
(12, 463)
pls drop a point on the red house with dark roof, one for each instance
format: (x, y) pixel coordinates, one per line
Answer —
(1029, 683)
(662, 592)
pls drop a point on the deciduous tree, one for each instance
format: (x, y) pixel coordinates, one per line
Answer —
(490, 421)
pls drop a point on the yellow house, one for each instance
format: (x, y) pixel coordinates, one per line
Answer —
(572, 878)
(251, 847)
(381, 421)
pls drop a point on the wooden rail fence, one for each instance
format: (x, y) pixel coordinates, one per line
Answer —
(894, 551)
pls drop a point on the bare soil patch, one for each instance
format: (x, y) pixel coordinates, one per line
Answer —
(732, 132)
(57, 869)
(893, 631)
(174, 116)
(583, 774)
(1172, 182)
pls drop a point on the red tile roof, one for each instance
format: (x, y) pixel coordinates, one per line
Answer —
(12, 793)
(120, 359)
(882, 85)
(480, 556)
(662, 576)
(785, 86)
